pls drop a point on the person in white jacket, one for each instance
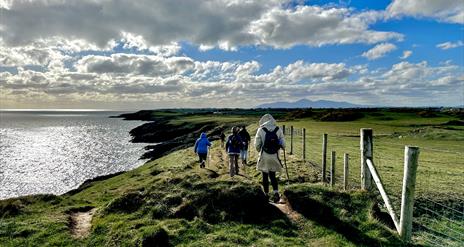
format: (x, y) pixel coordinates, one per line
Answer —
(268, 140)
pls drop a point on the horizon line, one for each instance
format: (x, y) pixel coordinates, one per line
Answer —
(56, 109)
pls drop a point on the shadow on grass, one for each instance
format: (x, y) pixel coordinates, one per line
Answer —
(319, 206)
(228, 201)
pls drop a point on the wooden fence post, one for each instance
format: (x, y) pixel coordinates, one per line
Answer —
(383, 193)
(366, 146)
(332, 170)
(345, 171)
(291, 139)
(411, 156)
(283, 129)
(304, 145)
(324, 156)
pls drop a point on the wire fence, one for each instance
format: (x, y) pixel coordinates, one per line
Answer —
(439, 205)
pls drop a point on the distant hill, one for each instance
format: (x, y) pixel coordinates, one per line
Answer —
(305, 103)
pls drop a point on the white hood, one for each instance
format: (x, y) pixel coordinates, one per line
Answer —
(268, 122)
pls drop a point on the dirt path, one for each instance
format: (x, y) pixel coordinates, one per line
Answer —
(81, 222)
(219, 162)
(285, 208)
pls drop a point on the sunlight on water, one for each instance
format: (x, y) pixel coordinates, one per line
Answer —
(55, 152)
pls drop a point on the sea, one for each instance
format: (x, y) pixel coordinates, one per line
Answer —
(53, 152)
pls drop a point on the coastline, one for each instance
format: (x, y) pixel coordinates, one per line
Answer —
(171, 200)
(164, 135)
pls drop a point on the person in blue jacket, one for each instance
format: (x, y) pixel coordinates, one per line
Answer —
(201, 148)
(233, 146)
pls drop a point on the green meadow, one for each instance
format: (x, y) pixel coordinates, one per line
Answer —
(170, 201)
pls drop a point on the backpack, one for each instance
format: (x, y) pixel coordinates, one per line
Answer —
(271, 141)
(234, 142)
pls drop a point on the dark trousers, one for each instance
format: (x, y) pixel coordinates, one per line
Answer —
(266, 177)
(202, 157)
(233, 164)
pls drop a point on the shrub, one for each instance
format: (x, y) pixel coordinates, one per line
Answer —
(10, 207)
(336, 116)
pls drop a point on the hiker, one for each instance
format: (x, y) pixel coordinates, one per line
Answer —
(245, 136)
(233, 146)
(201, 148)
(268, 140)
(223, 139)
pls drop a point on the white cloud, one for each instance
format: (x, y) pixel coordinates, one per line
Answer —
(159, 72)
(158, 22)
(5, 3)
(406, 54)
(300, 71)
(216, 23)
(43, 56)
(379, 51)
(181, 82)
(138, 42)
(317, 26)
(444, 10)
(450, 45)
(147, 65)
(421, 76)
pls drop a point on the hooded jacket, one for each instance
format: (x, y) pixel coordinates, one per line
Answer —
(231, 149)
(202, 144)
(245, 136)
(268, 162)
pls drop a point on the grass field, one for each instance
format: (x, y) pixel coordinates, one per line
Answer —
(441, 168)
(172, 201)
(440, 176)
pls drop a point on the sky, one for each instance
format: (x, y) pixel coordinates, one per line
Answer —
(128, 55)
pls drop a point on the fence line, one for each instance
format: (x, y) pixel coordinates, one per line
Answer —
(452, 209)
(434, 243)
(388, 164)
(439, 215)
(438, 234)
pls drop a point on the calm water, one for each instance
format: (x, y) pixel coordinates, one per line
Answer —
(54, 152)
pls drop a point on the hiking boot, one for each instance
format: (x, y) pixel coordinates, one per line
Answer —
(275, 197)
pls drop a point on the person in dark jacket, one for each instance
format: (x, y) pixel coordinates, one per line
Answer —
(233, 145)
(245, 136)
(201, 148)
(223, 139)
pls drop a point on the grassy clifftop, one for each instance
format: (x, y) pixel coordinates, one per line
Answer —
(171, 201)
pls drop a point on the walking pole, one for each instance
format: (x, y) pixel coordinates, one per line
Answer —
(208, 158)
(285, 163)
(248, 152)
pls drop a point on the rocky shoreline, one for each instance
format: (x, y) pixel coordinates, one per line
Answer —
(167, 137)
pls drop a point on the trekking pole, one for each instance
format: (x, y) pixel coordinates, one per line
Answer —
(209, 157)
(285, 163)
(248, 152)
